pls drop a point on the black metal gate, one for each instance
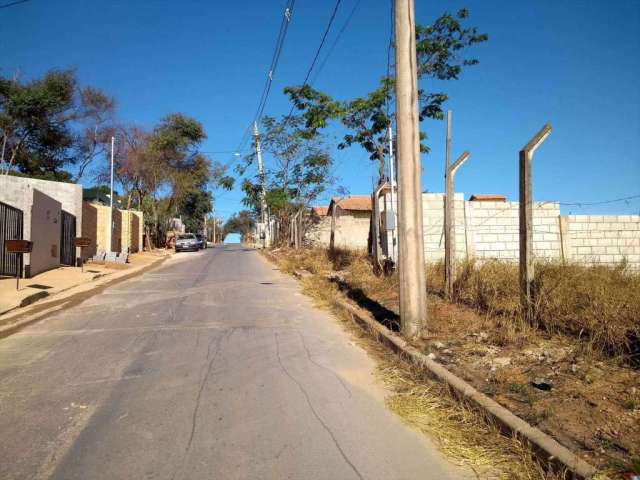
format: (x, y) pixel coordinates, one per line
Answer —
(67, 236)
(11, 223)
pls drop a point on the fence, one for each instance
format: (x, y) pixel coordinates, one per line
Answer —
(11, 228)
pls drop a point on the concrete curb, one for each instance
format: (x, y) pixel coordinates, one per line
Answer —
(43, 310)
(542, 444)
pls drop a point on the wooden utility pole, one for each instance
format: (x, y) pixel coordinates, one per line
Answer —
(526, 223)
(263, 200)
(411, 266)
(450, 225)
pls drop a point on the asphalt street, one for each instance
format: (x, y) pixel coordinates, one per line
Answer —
(213, 366)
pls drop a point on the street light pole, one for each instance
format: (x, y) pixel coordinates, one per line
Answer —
(113, 141)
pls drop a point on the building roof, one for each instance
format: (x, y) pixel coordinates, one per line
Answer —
(487, 198)
(320, 211)
(359, 203)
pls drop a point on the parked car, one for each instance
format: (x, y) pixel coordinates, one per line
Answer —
(186, 242)
(202, 241)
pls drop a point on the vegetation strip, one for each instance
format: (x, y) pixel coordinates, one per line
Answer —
(543, 444)
(545, 447)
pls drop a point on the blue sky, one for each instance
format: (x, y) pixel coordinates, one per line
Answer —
(574, 64)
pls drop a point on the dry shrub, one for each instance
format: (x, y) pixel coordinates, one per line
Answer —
(600, 304)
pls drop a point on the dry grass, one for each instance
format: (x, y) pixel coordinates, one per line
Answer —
(598, 304)
(573, 304)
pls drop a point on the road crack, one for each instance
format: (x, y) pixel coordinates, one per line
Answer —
(310, 358)
(313, 410)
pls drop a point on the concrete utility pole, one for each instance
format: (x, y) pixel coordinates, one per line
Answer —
(411, 266)
(113, 142)
(450, 222)
(263, 200)
(392, 181)
(526, 222)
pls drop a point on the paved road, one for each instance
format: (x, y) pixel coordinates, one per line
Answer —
(213, 366)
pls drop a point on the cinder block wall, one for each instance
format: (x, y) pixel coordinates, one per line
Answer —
(127, 230)
(433, 226)
(493, 230)
(490, 230)
(603, 240)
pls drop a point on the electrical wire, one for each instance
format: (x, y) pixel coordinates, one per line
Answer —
(11, 4)
(336, 40)
(318, 50)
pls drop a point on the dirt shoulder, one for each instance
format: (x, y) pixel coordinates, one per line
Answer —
(587, 401)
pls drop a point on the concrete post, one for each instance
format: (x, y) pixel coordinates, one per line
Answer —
(411, 266)
(449, 226)
(263, 198)
(526, 223)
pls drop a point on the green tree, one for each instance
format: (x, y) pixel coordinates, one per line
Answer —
(299, 170)
(243, 223)
(50, 124)
(440, 48)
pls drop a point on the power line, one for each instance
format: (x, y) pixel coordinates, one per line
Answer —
(324, 39)
(336, 40)
(319, 49)
(18, 2)
(264, 96)
(282, 34)
(603, 202)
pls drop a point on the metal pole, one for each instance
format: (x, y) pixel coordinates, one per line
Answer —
(18, 270)
(526, 223)
(263, 201)
(392, 181)
(413, 296)
(113, 141)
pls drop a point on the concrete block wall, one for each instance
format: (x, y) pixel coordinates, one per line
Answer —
(127, 230)
(603, 240)
(490, 230)
(433, 226)
(493, 230)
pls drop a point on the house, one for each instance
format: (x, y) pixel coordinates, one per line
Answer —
(356, 206)
(50, 216)
(350, 221)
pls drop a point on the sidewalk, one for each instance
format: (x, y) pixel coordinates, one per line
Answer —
(61, 279)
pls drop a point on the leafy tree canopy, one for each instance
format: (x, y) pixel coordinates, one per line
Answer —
(50, 124)
(441, 49)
